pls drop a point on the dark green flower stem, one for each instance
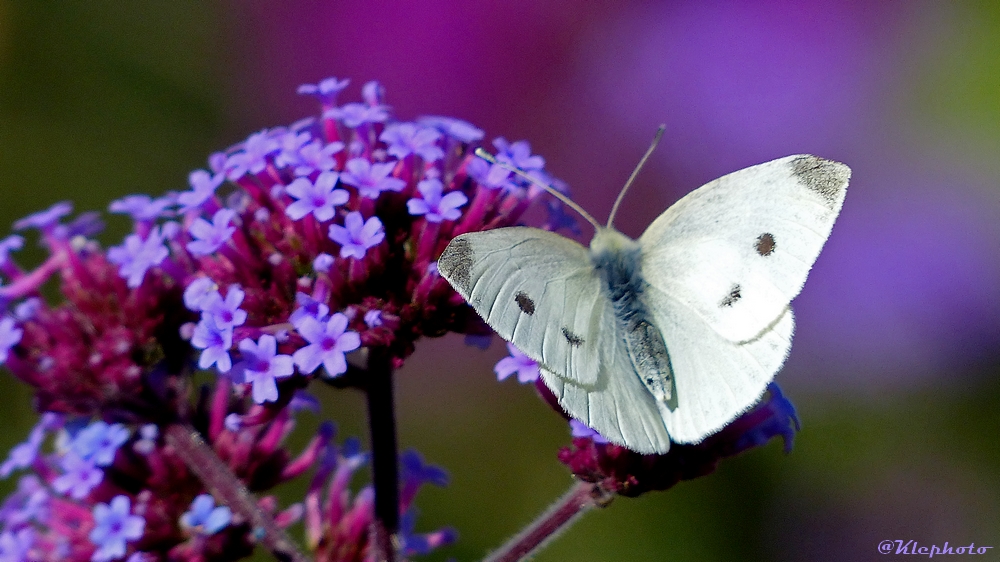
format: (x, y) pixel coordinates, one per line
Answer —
(385, 457)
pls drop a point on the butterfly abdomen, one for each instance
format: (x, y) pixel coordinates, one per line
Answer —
(618, 260)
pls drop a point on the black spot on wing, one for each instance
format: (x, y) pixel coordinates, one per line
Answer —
(573, 339)
(525, 303)
(765, 244)
(825, 177)
(733, 296)
(455, 264)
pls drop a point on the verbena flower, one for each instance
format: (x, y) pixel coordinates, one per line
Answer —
(14, 546)
(617, 469)
(526, 368)
(115, 525)
(138, 255)
(371, 179)
(262, 366)
(328, 342)
(357, 235)
(47, 219)
(210, 236)
(434, 206)
(10, 335)
(318, 198)
(204, 517)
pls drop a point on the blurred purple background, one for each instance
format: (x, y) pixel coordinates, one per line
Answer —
(895, 361)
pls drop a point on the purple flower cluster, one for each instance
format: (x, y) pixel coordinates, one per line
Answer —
(289, 252)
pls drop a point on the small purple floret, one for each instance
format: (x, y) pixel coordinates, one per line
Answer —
(99, 442)
(433, 206)
(215, 344)
(210, 236)
(357, 235)
(524, 366)
(114, 527)
(44, 220)
(316, 156)
(456, 128)
(291, 142)
(518, 155)
(408, 138)
(14, 546)
(328, 342)
(142, 207)
(12, 242)
(308, 307)
(203, 186)
(323, 262)
(225, 314)
(79, 476)
(326, 91)
(373, 318)
(10, 335)
(253, 158)
(198, 292)
(356, 114)
(371, 179)
(319, 197)
(85, 224)
(262, 365)
(136, 256)
(204, 518)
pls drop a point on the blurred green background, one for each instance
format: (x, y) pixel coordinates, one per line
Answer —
(897, 355)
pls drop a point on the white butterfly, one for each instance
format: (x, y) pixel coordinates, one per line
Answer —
(673, 335)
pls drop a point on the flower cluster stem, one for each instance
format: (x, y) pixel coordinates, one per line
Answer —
(385, 456)
(228, 490)
(579, 499)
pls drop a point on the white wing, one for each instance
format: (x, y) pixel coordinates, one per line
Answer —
(737, 250)
(618, 406)
(540, 291)
(716, 379)
(537, 290)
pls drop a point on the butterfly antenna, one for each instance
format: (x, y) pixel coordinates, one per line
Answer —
(635, 172)
(553, 191)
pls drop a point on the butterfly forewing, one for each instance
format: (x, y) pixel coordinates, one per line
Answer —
(539, 291)
(738, 249)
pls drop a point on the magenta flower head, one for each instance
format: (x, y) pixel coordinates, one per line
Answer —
(616, 469)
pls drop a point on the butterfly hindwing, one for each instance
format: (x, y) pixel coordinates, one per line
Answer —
(716, 379)
(617, 406)
(537, 290)
(737, 250)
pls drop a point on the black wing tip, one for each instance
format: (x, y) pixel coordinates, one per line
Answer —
(827, 178)
(455, 264)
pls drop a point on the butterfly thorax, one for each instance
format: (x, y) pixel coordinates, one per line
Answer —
(618, 260)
